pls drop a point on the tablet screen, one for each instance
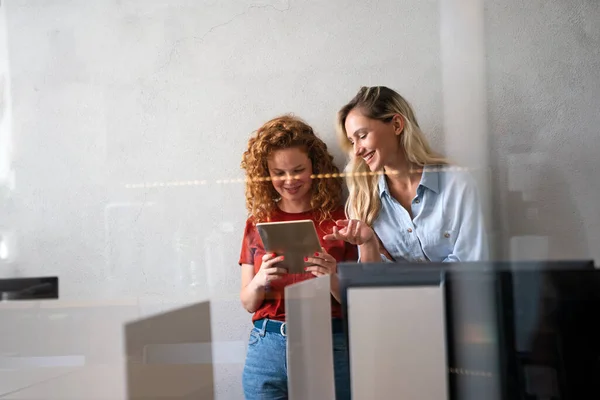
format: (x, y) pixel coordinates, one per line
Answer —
(292, 239)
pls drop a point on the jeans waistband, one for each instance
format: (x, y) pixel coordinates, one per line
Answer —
(273, 326)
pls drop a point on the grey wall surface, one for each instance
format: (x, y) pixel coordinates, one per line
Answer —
(543, 61)
(127, 116)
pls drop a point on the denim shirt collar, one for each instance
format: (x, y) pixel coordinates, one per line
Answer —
(429, 179)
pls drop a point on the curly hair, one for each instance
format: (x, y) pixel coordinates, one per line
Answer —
(285, 132)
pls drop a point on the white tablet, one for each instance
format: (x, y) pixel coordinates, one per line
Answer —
(292, 239)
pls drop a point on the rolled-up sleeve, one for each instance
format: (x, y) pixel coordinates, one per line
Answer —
(472, 240)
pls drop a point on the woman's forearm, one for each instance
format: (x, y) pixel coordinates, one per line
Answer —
(369, 251)
(252, 296)
(335, 287)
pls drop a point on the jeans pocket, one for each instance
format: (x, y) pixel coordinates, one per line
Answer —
(254, 337)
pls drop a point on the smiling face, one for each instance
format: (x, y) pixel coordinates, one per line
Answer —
(290, 170)
(375, 141)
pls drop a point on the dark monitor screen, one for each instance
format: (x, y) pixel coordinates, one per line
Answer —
(515, 319)
(36, 288)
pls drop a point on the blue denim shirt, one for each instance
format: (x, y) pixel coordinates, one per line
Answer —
(447, 224)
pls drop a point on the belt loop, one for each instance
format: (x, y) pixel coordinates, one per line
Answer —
(263, 329)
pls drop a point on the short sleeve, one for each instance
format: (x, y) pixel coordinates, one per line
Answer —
(249, 244)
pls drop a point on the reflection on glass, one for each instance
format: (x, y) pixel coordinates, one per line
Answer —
(6, 173)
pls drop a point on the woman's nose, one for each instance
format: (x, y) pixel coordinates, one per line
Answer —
(357, 149)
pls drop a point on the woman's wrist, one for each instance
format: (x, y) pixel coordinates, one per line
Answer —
(369, 251)
(255, 285)
(335, 286)
(370, 244)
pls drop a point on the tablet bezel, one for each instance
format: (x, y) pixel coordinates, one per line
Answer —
(276, 239)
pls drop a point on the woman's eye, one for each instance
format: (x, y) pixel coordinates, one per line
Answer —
(299, 170)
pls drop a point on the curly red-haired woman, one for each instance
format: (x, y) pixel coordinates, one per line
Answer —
(287, 152)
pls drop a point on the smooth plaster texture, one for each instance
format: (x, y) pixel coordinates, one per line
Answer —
(126, 116)
(107, 95)
(543, 62)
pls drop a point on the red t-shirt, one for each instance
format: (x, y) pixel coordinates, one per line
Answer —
(273, 307)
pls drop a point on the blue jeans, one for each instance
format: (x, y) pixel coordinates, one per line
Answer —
(265, 371)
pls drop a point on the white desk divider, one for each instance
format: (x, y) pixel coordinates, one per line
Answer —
(397, 343)
(309, 340)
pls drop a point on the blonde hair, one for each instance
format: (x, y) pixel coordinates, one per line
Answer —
(380, 103)
(284, 132)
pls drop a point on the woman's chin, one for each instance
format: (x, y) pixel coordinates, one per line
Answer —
(374, 167)
(295, 200)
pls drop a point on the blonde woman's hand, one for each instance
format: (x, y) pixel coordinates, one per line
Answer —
(322, 263)
(352, 231)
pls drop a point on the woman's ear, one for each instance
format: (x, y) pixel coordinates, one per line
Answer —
(398, 123)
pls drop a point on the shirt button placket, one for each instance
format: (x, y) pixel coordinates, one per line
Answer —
(414, 241)
(416, 206)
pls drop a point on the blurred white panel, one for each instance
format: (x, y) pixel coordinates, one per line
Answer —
(90, 382)
(398, 343)
(50, 343)
(14, 380)
(464, 92)
(462, 35)
(41, 362)
(309, 340)
(196, 353)
(170, 354)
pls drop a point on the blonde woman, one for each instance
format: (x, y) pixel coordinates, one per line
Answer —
(405, 201)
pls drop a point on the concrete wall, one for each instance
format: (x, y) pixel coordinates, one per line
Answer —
(126, 117)
(107, 95)
(543, 63)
